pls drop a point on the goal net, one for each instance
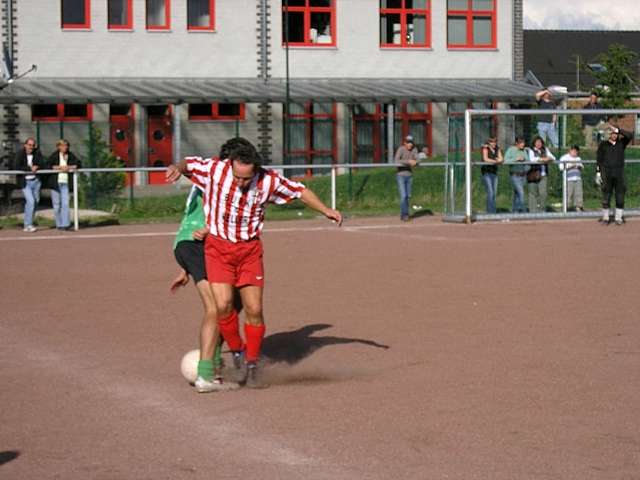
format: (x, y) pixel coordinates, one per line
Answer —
(565, 183)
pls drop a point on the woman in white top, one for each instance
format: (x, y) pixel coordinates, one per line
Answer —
(538, 174)
(64, 161)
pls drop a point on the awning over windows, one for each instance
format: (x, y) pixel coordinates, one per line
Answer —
(238, 90)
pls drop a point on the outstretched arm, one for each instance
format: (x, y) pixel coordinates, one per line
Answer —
(174, 171)
(311, 200)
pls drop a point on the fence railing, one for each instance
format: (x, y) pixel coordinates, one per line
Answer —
(333, 169)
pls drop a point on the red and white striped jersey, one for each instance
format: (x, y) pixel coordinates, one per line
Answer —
(232, 213)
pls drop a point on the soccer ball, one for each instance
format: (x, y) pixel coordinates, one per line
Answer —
(189, 365)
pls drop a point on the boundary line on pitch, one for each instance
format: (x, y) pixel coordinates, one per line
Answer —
(328, 228)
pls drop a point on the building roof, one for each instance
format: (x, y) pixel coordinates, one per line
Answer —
(552, 54)
(233, 90)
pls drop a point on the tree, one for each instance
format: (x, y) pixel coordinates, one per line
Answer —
(617, 77)
(101, 186)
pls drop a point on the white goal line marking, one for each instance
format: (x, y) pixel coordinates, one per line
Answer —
(328, 228)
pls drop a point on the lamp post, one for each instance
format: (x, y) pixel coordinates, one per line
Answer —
(287, 136)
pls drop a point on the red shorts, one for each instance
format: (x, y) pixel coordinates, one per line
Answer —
(238, 264)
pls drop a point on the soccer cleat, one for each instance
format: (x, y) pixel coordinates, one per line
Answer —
(254, 377)
(619, 222)
(216, 385)
(239, 370)
(30, 229)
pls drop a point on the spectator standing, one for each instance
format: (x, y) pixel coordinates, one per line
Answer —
(573, 164)
(407, 157)
(610, 158)
(592, 123)
(538, 174)
(64, 161)
(29, 159)
(492, 157)
(547, 123)
(516, 157)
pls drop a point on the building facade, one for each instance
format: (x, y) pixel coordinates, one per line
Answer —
(357, 75)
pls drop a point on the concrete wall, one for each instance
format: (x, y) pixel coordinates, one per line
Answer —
(230, 51)
(358, 53)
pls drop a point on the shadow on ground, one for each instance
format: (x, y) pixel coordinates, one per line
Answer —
(296, 345)
(8, 455)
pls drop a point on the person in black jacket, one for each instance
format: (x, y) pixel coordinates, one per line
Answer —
(610, 160)
(64, 161)
(30, 160)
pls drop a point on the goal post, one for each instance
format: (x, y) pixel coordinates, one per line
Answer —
(572, 126)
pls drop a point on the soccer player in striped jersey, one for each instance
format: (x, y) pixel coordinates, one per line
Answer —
(236, 192)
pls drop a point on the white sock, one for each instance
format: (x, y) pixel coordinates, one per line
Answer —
(618, 214)
(605, 214)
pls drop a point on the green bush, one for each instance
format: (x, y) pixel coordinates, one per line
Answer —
(98, 190)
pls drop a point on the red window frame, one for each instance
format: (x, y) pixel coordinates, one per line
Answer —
(309, 151)
(469, 15)
(129, 24)
(60, 117)
(401, 115)
(215, 114)
(87, 17)
(212, 19)
(403, 12)
(307, 10)
(167, 17)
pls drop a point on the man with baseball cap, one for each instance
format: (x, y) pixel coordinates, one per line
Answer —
(610, 160)
(406, 157)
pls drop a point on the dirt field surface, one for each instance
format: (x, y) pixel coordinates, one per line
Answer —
(422, 351)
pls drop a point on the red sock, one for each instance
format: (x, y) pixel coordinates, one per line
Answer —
(231, 331)
(254, 335)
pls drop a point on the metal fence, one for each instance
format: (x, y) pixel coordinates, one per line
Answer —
(465, 194)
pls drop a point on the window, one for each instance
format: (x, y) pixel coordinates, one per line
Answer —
(216, 111)
(313, 136)
(76, 13)
(370, 129)
(471, 23)
(158, 15)
(200, 15)
(120, 14)
(61, 112)
(405, 23)
(312, 23)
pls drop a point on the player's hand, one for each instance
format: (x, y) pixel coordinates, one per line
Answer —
(173, 174)
(598, 179)
(180, 281)
(200, 234)
(334, 215)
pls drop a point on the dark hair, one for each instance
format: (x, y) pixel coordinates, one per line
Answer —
(520, 139)
(246, 154)
(535, 139)
(233, 143)
(575, 147)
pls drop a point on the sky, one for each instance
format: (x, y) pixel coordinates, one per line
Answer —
(582, 14)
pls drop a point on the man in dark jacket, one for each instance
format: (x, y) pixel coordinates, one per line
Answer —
(611, 168)
(29, 159)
